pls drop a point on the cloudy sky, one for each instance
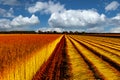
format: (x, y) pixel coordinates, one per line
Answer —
(60, 15)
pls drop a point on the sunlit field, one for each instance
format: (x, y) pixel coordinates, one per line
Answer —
(101, 54)
(22, 55)
(59, 57)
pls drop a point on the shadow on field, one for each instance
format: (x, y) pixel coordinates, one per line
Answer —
(65, 67)
(57, 67)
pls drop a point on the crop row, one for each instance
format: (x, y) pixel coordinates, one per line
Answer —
(103, 61)
(22, 55)
(59, 57)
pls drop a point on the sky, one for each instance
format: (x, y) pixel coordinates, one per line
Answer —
(60, 15)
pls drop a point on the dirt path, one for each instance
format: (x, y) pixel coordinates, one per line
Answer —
(56, 67)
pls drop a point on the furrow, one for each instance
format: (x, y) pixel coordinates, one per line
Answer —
(105, 48)
(51, 69)
(80, 69)
(102, 68)
(113, 60)
(103, 42)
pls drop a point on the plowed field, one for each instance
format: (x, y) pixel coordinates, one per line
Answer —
(59, 57)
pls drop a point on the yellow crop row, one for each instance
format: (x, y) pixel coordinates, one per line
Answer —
(102, 39)
(106, 48)
(80, 70)
(102, 52)
(98, 41)
(101, 68)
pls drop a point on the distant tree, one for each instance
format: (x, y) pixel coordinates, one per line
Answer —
(40, 32)
(83, 32)
(71, 32)
(54, 32)
(76, 32)
(64, 32)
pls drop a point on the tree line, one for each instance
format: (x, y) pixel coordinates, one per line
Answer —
(40, 32)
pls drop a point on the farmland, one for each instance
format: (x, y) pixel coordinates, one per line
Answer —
(59, 57)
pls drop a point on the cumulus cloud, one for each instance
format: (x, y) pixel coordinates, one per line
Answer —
(95, 29)
(76, 18)
(115, 23)
(5, 13)
(116, 17)
(50, 29)
(2, 11)
(115, 30)
(18, 22)
(115, 20)
(4, 23)
(25, 21)
(10, 2)
(46, 7)
(112, 6)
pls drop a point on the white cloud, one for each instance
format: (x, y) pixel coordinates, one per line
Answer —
(50, 29)
(19, 22)
(115, 20)
(76, 18)
(25, 21)
(112, 6)
(2, 11)
(115, 30)
(10, 2)
(46, 7)
(5, 13)
(116, 17)
(4, 23)
(97, 29)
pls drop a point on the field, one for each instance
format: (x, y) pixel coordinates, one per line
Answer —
(59, 57)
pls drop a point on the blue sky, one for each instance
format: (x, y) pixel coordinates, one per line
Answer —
(60, 15)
